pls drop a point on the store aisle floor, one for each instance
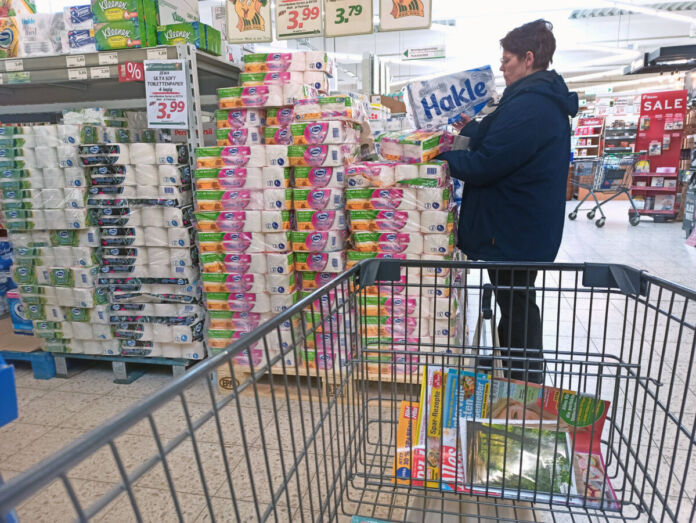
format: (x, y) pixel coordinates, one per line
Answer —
(56, 412)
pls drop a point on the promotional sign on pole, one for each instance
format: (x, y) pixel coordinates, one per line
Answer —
(249, 21)
(298, 18)
(347, 17)
(165, 91)
(399, 15)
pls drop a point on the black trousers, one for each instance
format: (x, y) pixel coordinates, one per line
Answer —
(519, 329)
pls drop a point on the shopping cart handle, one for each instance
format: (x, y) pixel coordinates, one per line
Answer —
(613, 276)
(486, 308)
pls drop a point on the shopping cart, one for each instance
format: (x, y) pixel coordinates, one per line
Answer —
(609, 175)
(266, 442)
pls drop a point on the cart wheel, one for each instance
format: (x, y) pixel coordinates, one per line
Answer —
(591, 215)
(635, 220)
(600, 222)
(573, 215)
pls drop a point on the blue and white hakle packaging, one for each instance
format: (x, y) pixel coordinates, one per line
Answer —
(440, 101)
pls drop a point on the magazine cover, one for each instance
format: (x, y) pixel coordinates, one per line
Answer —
(511, 459)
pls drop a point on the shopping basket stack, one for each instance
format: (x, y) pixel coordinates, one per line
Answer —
(610, 434)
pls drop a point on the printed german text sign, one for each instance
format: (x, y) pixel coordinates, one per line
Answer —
(347, 17)
(165, 89)
(298, 18)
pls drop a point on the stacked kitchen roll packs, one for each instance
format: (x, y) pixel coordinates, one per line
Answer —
(106, 259)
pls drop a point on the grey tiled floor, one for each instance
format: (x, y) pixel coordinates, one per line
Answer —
(54, 413)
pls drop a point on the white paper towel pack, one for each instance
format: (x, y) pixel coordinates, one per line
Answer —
(144, 154)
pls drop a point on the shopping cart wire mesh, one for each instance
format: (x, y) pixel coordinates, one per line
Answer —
(301, 419)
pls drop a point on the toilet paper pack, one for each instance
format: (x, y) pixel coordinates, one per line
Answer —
(382, 199)
(274, 62)
(371, 174)
(232, 156)
(234, 200)
(170, 154)
(239, 302)
(438, 244)
(276, 177)
(230, 178)
(258, 96)
(281, 284)
(321, 155)
(392, 243)
(414, 146)
(311, 281)
(244, 242)
(440, 101)
(333, 132)
(320, 177)
(278, 199)
(229, 221)
(318, 241)
(432, 198)
(245, 136)
(317, 79)
(277, 156)
(385, 221)
(333, 262)
(111, 154)
(234, 282)
(295, 92)
(280, 116)
(319, 199)
(272, 78)
(334, 107)
(436, 221)
(320, 220)
(277, 135)
(240, 118)
(168, 174)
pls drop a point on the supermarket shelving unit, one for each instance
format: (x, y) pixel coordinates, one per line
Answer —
(39, 88)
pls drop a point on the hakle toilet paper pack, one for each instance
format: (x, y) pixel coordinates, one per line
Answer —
(440, 101)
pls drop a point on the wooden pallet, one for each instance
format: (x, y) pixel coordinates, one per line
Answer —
(15, 347)
(124, 373)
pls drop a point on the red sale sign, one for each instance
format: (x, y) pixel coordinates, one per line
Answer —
(131, 72)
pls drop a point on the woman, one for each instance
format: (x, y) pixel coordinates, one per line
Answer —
(514, 175)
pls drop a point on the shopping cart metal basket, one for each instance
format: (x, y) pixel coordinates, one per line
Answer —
(265, 442)
(608, 174)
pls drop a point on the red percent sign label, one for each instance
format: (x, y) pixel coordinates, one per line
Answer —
(131, 72)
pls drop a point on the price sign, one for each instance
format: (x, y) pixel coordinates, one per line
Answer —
(249, 21)
(75, 61)
(347, 17)
(156, 54)
(131, 72)
(399, 15)
(77, 74)
(14, 65)
(298, 18)
(99, 72)
(108, 58)
(165, 90)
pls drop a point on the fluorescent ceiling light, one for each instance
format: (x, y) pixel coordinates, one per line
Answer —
(595, 76)
(630, 6)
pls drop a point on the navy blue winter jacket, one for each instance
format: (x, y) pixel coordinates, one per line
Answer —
(515, 173)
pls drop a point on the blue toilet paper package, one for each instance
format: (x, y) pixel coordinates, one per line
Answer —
(440, 101)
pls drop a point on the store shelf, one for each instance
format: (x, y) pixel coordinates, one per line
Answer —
(590, 146)
(624, 137)
(661, 190)
(584, 157)
(617, 149)
(650, 175)
(82, 80)
(655, 212)
(587, 135)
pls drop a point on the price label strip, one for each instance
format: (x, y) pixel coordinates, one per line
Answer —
(298, 18)
(347, 17)
(165, 88)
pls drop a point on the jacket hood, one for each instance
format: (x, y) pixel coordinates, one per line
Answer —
(545, 83)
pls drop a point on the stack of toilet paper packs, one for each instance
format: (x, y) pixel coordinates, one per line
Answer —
(403, 211)
(105, 260)
(271, 197)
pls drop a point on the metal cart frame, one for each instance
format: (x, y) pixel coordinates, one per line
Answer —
(596, 176)
(265, 443)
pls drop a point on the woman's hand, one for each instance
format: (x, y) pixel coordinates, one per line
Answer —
(465, 119)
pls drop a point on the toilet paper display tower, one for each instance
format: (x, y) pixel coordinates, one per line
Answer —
(105, 259)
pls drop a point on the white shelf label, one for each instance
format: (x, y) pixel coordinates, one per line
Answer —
(108, 58)
(298, 19)
(165, 91)
(156, 54)
(77, 74)
(99, 72)
(347, 17)
(75, 61)
(14, 65)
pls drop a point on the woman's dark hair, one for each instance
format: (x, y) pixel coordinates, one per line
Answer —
(536, 37)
